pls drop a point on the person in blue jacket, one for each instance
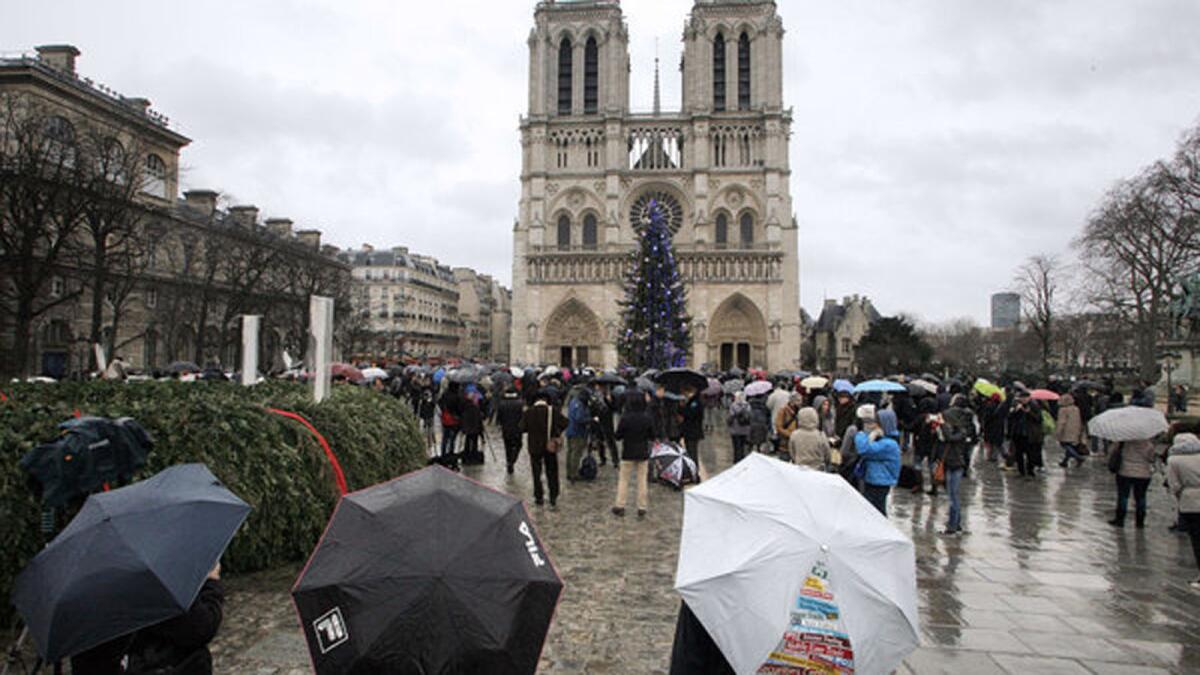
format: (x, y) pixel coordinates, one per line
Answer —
(878, 446)
(579, 418)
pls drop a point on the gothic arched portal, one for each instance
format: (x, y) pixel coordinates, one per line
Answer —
(737, 334)
(573, 335)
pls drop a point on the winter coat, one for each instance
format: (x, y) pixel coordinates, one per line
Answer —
(579, 418)
(534, 423)
(760, 422)
(906, 411)
(451, 405)
(958, 427)
(845, 415)
(174, 642)
(694, 652)
(1025, 425)
(882, 457)
(509, 413)
(826, 423)
(666, 418)
(808, 445)
(472, 419)
(1069, 426)
(635, 431)
(1183, 472)
(995, 417)
(693, 419)
(1137, 459)
(787, 420)
(739, 419)
(777, 400)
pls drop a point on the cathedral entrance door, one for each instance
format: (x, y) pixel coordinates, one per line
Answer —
(573, 334)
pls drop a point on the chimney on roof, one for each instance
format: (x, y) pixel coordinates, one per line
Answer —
(310, 238)
(58, 57)
(204, 201)
(245, 217)
(138, 103)
(280, 227)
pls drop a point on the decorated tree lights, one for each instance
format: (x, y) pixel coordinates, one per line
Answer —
(656, 332)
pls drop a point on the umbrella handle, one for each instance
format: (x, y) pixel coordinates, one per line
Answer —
(338, 475)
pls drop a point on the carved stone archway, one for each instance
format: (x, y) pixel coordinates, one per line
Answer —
(737, 334)
(573, 336)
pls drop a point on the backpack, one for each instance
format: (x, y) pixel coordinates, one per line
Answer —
(588, 467)
(742, 418)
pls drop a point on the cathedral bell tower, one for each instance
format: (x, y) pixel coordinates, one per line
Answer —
(578, 59)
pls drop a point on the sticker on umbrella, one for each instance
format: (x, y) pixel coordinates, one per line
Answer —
(816, 641)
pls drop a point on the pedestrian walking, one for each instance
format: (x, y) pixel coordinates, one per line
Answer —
(472, 429)
(787, 420)
(1068, 430)
(544, 425)
(955, 434)
(1136, 466)
(878, 447)
(925, 440)
(760, 424)
(425, 411)
(738, 420)
(451, 412)
(808, 445)
(692, 426)
(509, 412)
(1024, 430)
(1183, 479)
(636, 432)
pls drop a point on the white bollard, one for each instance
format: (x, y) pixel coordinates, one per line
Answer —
(250, 323)
(320, 344)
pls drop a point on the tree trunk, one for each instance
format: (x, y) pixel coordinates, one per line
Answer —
(21, 338)
(98, 284)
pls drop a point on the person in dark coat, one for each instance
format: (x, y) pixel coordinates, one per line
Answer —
(543, 422)
(925, 440)
(451, 410)
(1025, 432)
(956, 432)
(509, 412)
(844, 413)
(694, 652)
(636, 433)
(178, 646)
(603, 426)
(692, 427)
(472, 429)
(994, 415)
(760, 424)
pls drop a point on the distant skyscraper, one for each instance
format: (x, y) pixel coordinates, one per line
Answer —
(1006, 310)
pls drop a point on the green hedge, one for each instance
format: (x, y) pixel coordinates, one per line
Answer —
(270, 461)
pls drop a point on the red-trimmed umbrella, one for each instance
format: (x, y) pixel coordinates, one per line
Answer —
(345, 371)
(1043, 395)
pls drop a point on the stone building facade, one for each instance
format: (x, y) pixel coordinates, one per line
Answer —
(197, 267)
(838, 331)
(719, 167)
(485, 308)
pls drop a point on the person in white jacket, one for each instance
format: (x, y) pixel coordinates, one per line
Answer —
(1183, 478)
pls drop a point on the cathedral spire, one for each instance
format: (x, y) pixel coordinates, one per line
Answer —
(657, 89)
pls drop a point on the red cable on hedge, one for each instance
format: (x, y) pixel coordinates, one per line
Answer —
(333, 460)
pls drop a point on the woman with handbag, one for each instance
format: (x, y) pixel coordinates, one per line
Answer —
(1133, 462)
(544, 425)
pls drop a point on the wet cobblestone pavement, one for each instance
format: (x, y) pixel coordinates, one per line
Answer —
(1040, 584)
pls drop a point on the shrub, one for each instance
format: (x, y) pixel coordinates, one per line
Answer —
(271, 462)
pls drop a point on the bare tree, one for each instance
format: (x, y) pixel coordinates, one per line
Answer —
(1037, 281)
(40, 215)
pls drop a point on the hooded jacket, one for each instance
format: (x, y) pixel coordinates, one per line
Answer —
(827, 423)
(808, 445)
(1183, 472)
(1069, 426)
(739, 410)
(882, 455)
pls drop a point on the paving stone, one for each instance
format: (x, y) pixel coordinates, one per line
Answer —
(1020, 665)
(927, 661)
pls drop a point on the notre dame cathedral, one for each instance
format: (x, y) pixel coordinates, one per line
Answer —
(719, 167)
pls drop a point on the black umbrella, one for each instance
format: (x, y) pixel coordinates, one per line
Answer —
(132, 557)
(736, 372)
(184, 367)
(428, 573)
(465, 375)
(609, 378)
(679, 379)
(930, 377)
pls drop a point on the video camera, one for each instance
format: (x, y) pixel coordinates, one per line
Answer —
(91, 452)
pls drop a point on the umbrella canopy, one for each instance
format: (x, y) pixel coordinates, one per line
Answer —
(131, 558)
(1088, 384)
(733, 386)
(516, 372)
(987, 389)
(346, 371)
(930, 377)
(610, 378)
(427, 573)
(814, 382)
(465, 375)
(781, 563)
(371, 374)
(736, 372)
(671, 463)
(184, 367)
(915, 390)
(843, 386)
(1133, 423)
(929, 387)
(681, 379)
(714, 387)
(758, 388)
(879, 386)
(646, 384)
(1043, 395)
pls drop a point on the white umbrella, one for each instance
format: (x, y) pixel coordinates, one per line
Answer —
(758, 388)
(775, 558)
(814, 382)
(370, 374)
(926, 385)
(1133, 423)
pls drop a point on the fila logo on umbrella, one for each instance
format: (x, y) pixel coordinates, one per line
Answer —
(531, 545)
(331, 630)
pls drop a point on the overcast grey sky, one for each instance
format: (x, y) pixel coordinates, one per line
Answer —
(937, 143)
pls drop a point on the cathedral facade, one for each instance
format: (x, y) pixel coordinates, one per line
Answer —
(719, 168)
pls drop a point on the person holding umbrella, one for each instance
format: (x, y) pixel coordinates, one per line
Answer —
(1183, 479)
(1068, 430)
(1025, 432)
(178, 646)
(692, 426)
(544, 425)
(878, 447)
(635, 431)
(1135, 467)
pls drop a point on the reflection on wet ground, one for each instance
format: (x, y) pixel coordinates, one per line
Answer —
(1040, 584)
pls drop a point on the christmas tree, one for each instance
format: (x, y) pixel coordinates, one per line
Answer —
(656, 332)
